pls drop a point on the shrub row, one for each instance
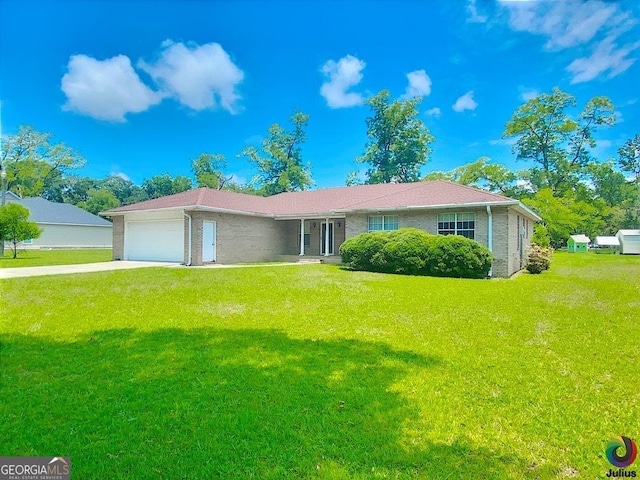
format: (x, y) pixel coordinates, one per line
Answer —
(411, 251)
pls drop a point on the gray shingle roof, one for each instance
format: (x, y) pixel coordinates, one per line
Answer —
(44, 211)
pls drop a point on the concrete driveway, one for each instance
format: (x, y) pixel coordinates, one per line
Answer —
(80, 268)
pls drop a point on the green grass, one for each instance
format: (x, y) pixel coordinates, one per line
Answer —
(317, 372)
(38, 258)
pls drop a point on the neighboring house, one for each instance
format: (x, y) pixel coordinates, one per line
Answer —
(607, 244)
(64, 225)
(205, 225)
(578, 244)
(629, 241)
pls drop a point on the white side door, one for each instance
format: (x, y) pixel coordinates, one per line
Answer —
(208, 241)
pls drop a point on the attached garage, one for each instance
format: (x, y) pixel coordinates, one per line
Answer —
(158, 240)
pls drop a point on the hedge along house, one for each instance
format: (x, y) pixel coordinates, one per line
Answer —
(578, 244)
(203, 225)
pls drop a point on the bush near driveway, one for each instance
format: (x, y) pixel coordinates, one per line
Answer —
(411, 251)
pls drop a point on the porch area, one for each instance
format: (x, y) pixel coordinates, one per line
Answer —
(312, 239)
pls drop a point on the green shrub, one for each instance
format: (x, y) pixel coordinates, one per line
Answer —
(456, 256)
(538, 259)
(359, 252)
(411, 251)
(541, 236)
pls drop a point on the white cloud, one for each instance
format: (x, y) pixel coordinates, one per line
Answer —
(198, 76)
(343, 75)
(115, 172)
(433, 112)
(474, 17)
(607, 57)
(238, 179)
(504, 141)
(527, 94)
(465, 102)
(419, 84)
(565, 23)
(105, 89)
(595, 24)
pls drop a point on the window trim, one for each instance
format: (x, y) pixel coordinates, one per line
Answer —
(395, 220)
(455, 229)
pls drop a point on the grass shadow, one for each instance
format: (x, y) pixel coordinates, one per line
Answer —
(209, 403)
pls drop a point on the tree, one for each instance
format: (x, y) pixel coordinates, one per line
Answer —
(163, 185)
(353, 178)
(557, 144)
(565, 216)
(494, 177)
(629, 161)
(629, 158)
(15, 225)
(208, 170)
(280, 166)
(77, 189)
(438, 175)
(99, 201)
(123, 189)
(608, 184)
(398, 140)
(35, 166)
(34, 178)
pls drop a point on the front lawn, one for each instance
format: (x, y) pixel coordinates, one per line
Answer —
(316, 372)
(38, 258)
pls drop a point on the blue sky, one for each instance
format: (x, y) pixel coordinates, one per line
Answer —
(142, 87)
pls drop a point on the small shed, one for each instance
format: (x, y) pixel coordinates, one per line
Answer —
(629, 241)
(607, 244)
(578, 244)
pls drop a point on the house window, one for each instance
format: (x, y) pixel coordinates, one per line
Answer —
(383, 222)
(457, 224)
(28, 241)
(307, 239)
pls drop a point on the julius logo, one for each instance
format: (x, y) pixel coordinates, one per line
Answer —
(621, 453)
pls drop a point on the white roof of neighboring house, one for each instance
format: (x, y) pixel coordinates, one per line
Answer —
(580, 238)
(608, 241)
(628, 232)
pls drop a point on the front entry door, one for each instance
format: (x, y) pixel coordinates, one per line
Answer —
(323, 239)
(208, 241)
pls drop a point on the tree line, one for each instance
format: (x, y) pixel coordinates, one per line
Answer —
(571, 189)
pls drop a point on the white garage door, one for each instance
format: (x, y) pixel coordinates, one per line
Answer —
(160, 241)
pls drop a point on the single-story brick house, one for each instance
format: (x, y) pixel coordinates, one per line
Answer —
(205, 225)
(64, 225)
